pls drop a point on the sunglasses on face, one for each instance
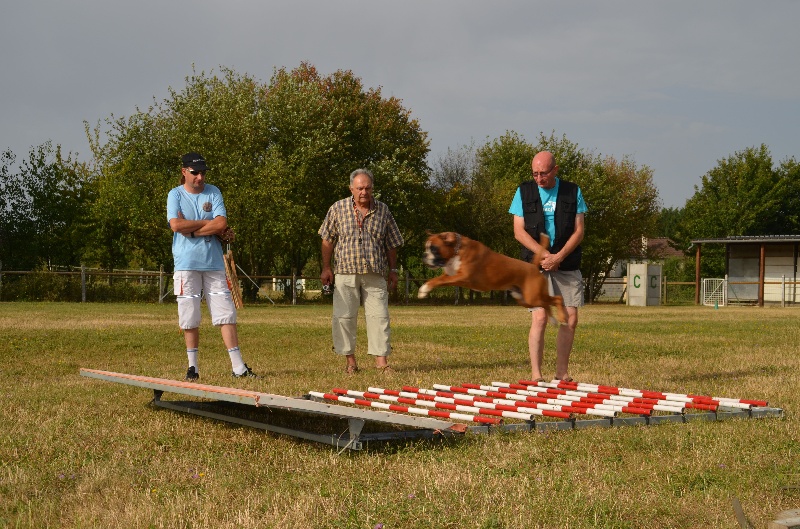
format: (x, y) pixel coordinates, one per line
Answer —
(197, 172)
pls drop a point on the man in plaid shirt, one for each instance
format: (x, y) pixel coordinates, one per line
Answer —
(362, 234)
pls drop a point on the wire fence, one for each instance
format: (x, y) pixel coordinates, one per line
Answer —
(83, 284)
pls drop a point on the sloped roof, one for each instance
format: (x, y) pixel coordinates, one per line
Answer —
(749, 239)
(660, 247)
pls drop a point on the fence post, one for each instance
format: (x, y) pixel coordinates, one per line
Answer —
(294, 288)
(161, 284)
(783, 290)
(83, 283)
(408, 281)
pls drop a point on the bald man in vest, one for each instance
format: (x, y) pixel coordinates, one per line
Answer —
(556, 207)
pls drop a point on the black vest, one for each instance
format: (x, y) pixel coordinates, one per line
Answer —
(566, 210)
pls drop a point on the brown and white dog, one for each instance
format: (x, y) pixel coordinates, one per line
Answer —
(471, 264)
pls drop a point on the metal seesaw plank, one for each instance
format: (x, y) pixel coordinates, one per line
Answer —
(355, 417)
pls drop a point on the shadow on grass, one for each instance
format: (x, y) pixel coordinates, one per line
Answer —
(392, 438)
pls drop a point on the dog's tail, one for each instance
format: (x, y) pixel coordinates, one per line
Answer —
(544, 242)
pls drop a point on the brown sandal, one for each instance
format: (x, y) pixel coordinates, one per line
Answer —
(351, 370)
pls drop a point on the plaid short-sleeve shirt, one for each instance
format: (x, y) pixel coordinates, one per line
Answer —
(359, 250)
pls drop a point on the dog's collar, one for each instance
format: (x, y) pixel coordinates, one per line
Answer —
(458, 243)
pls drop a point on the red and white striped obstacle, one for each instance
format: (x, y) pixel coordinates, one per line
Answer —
(702, 402)
(527, 400)
(404, 409)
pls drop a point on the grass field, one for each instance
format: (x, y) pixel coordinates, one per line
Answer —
(77, 452)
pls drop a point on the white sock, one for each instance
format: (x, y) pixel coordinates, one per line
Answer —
(192, 354)
(236, 360)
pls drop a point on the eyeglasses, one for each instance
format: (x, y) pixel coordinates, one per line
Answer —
(197, 172)
(542, 173)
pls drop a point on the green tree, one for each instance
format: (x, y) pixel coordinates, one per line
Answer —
(451, 179)
(280, 152)
(669, 222)
(502, 165)
(744, 195)
(474, 188)
(42, 209)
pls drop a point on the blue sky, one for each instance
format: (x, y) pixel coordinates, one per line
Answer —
(675, 85)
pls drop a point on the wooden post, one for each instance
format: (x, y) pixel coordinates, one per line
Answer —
(161, 284)
(783, 290)
(761, 260)
(83, 283)
(408, 284)
(697, 276)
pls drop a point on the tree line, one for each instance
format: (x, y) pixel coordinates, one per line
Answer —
(281, 152)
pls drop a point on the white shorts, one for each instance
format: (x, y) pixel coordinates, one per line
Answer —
(191, 285)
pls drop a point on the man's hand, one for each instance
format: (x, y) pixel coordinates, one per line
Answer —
(550, 262)
(326, 277)
(227, 235)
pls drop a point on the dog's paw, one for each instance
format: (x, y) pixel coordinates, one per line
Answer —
(423, 291)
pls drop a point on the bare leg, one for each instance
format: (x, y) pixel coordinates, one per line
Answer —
(229, 335)
(381, 362)
(566, 335)
(536, 341)
(192, 337)
(351, 362)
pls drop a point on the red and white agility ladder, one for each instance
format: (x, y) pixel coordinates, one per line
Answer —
(581, 399)
(485, 406)
(439, 403)
(527, 399)
(404, 409)
(702, 402)
(489, 392)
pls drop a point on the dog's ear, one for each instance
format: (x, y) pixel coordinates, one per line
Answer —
(449, 237)
(428, 233)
